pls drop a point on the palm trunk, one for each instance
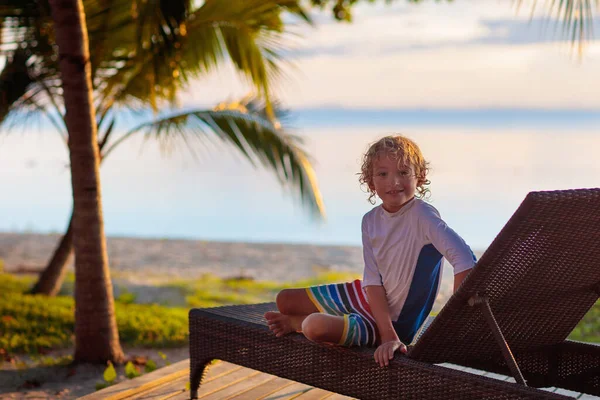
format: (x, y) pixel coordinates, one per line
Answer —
(96, 335)
(52, 277)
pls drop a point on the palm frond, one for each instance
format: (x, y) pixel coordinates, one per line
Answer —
(249, 33)
(575, 19)
(22, 21)
(295, 8)
(15, 80)
(256, 138)
(252, 60)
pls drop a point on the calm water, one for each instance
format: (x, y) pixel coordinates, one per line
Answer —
(483, 164)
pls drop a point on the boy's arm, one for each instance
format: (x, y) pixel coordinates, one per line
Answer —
(447, 242)
(389, 339)
(458, 278)
(378, 303)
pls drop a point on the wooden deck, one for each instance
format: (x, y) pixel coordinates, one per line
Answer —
(226, 381)
(223, 381)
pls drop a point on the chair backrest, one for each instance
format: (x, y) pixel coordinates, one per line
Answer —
(540, 275)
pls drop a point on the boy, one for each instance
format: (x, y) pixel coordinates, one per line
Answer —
(404, 241)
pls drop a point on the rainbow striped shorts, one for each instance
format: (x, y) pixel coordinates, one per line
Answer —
(347, 300)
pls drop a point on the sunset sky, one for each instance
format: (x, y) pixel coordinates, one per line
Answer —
(501, 106)
(463, 54)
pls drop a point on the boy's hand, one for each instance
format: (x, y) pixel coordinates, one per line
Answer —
(385, 352)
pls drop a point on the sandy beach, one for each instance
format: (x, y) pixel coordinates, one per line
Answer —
(177, 258)
(135, 261)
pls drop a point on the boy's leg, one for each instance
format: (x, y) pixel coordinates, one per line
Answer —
(294, 305)
(320, 327)
(295, 302)
(347, 330)
(334, 313)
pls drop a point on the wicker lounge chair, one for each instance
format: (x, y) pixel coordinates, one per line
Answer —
(510, 316)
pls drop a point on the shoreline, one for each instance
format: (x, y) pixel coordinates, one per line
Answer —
(178, 238)
(179, 258)
(30, 251)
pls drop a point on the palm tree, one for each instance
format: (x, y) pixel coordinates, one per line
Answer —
(95, 321)
(249, 32)
(120, 75)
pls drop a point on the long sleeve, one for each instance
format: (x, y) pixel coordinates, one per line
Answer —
(371, 275)
(445, 240)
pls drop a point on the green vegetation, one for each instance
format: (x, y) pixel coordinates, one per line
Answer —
(212, 291)
(588, 330)
(31, 324)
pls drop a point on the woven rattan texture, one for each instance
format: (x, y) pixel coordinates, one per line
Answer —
(568, 365)
(239, 334)
(541, 275)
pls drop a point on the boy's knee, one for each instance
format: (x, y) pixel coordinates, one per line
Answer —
(284, 301)
(314, 327)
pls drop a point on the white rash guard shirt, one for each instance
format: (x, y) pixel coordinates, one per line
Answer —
(403, 252)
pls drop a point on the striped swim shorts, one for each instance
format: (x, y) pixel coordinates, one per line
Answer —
(347, 300)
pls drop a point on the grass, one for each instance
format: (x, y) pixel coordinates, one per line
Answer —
(588, 330)
(33, 324)
(213, 291)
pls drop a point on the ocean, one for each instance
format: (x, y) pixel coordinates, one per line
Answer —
(483, 164)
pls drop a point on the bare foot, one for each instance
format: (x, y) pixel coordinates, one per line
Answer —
(282, 324)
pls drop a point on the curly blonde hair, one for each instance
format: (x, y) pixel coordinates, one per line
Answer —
(406, 152)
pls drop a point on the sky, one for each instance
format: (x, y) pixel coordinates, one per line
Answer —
(462, 54)
(499, 103)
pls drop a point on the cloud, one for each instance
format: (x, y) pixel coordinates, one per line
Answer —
(533, 75)
(409, 27)
(405, 26)
(434, 55)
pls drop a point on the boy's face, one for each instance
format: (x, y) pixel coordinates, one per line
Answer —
(394, 186)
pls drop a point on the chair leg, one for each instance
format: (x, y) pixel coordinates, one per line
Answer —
(197, 372)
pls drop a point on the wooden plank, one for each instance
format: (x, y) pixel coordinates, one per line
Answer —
(337, 396)
(130, 387)
(218, 386)
(493, 375)
(566, 392)
(162, 377)
(240, 387)
(452, 366)
(315, 394)
(264, 390)
(224, 382)
(220, 368)
(181, 396)
(473, 371)
(215, 390)
(289, 392)
(170, 389)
